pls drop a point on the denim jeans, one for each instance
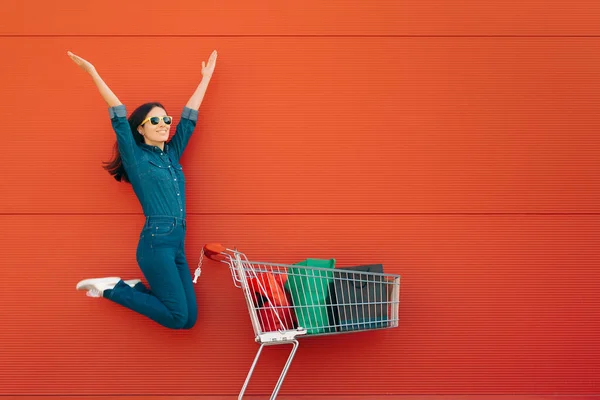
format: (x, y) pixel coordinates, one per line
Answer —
(171, 300)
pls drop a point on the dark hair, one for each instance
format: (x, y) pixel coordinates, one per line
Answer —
(115, 166)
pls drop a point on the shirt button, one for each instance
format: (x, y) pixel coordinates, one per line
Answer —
(177, 194)
(175, 179)
(169, 166)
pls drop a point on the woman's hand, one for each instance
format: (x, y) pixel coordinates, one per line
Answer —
(105, 91)
(208, 69)
(83, 64)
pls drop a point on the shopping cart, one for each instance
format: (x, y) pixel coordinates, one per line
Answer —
(311, 298)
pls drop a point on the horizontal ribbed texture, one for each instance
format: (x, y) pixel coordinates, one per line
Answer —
(325, 397)
(302, 17)
(489, 304)
(454, 142)
(386, 125)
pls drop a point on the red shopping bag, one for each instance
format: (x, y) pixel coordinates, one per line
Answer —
(269, 286)
(273, 302)
(273, 319)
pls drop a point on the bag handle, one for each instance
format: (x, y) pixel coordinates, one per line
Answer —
(360, 285)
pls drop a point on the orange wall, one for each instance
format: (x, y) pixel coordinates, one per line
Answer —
(454, 141)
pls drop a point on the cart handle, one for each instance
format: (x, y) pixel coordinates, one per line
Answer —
(214, 251)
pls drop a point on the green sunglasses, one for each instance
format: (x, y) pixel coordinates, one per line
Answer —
(156, 120)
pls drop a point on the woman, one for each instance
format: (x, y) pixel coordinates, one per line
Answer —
(145, 159)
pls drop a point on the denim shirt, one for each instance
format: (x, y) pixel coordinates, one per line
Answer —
(156, 176)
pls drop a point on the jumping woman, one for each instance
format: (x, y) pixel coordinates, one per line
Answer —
(145, 159)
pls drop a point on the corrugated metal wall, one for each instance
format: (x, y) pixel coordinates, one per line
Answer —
(456, 142)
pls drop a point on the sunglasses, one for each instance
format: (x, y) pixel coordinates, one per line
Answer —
(156, 120)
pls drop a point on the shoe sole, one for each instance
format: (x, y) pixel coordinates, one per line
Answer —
(86, 284)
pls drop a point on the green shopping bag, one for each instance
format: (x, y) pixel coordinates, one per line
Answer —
(309, 289)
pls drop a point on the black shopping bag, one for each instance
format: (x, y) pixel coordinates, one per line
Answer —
(359, 301)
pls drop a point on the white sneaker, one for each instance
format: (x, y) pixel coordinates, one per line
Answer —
(97, 286)
(132, 282)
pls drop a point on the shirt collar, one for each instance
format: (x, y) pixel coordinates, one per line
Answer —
(154, 149)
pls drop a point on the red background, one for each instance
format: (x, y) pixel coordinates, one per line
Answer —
(455, 142)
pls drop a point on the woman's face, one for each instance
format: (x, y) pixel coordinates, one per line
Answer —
(155, 130)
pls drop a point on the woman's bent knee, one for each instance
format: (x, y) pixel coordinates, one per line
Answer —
(178, 318)
(191, 321)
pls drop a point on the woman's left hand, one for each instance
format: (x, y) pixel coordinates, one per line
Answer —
(208, 69)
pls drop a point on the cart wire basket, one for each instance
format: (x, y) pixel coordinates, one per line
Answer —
(311, 298)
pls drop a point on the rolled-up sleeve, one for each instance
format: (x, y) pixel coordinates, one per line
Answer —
(190, 113)
(117, 111)
(183, 133)
(125, 141)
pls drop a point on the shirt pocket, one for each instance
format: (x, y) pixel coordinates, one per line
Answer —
(158, 171)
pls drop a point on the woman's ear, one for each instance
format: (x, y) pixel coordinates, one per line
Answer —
(140, 131)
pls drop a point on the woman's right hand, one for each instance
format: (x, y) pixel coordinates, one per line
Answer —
(105, 91)
(83, 64)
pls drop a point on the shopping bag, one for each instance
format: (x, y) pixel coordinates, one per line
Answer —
(359, 301)
(270, 286)
(275, 318)
(309, 290)
(273, 303)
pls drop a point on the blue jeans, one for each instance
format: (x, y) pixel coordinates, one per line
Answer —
(171, 300)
